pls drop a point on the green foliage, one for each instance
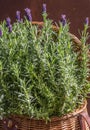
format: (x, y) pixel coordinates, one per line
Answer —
(40, 74)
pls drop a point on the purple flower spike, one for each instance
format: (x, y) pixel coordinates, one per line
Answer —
(63, 16)
(63, 19)
(10, 28)
(28, 11)
(0, 32)
(28, 14)
(29, 17)
(18, 16)
(44, 8)
(8, 21)
(87, 21)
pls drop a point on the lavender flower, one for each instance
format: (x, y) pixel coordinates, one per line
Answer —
(0, 32)
(8, 21)
(44, 8)
(27, 11)
(10, 28)
(29, 17)
(28, 14)
(18, 16)
(87, 21)
(63, 19)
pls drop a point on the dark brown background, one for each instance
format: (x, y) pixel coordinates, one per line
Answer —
(76, 11)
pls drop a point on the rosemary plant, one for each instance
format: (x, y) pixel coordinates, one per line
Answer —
(40, 73)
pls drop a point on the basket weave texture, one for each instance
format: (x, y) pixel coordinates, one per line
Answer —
(68, 122)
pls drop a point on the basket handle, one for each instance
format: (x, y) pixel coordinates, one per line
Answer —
(84, 117)
(9, 124)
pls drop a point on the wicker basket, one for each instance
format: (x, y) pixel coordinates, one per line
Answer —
(78, 120)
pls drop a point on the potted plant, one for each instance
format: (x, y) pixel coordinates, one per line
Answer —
(43, 75)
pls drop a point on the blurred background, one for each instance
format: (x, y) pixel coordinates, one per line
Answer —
(75, 10)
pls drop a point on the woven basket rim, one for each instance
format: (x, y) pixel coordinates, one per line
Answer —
(76, 112)
(72, 114)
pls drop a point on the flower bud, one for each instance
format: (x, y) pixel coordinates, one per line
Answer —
(44, 8)
(27, 11)
(1, 32)
(8, 21)
(63, 19)
(87, 21)
(10, 28)
(28, 14)
(18, 16)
